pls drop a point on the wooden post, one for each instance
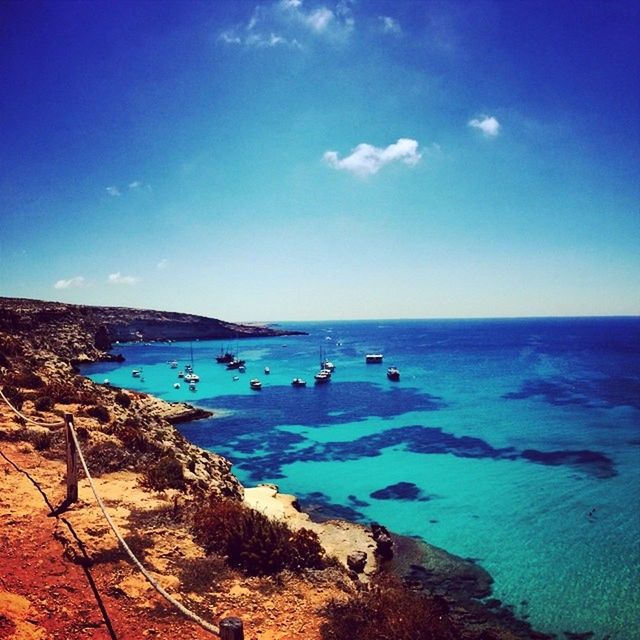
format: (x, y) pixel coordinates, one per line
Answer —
(72, 462)
(231, 629)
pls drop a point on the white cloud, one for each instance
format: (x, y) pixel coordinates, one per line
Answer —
(78, 281)
(162, 264)
(389, 25)
(489, 126)
(113, 191)
(118, 278)
(320, 19)
(136, 184)
(367, 160)
(288, 23)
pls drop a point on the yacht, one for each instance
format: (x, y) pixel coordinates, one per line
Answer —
(393, 373)
(373, 358)
(255, 384)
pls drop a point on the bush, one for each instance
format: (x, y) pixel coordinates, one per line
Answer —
(130, 433)
(252, 542)
(99, 412)
(106, 457)
(165, 474)
(13, 395)
(388, 611)
(202, 574)
(43, 403)
(41, 440)
(123, 399)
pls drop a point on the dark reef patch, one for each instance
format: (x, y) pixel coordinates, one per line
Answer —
(607, 392)
(320, 508)
(597, 464)
(400, 491)
(356, 502)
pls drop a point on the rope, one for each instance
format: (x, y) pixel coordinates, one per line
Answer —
(31, 420)
(189, 614)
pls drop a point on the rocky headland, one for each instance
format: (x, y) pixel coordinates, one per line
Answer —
(64, 575)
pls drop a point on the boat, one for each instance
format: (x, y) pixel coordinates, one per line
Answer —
(236, 378)
(176, 385)
(181, 374)
(298, 382)
(235, 364)
(136, 373)
(242, 368)
(324, 375)
(325, 363)
(373, 358)
(192, 386)
(225, 356)
(267, 370)
(192, 378)
(393, 373)
(255, 384)
(173, 364)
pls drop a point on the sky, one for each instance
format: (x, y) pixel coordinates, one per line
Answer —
(312, 160)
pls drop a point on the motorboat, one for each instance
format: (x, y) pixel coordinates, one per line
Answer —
(393, 373)
(136, 373)
(192, 378)
(373, 358)
(192, 386)
(255, 384)
(180, 374)
(176, 385)
(328, 365)
(267, 370)
(324, 375)
(298, 382)
(235, 364)
(173, 364)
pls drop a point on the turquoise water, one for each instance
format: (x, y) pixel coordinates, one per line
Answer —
(515, 443)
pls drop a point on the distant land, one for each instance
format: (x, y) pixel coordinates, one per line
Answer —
(74, 326)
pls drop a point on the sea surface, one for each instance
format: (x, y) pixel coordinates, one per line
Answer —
(512, 442)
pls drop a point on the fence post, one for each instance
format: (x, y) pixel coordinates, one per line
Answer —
(72, 461)
(231, 629)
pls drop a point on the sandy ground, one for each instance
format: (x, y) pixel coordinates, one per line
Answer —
(66, 578)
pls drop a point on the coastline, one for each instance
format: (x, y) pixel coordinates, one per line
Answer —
(203, 470)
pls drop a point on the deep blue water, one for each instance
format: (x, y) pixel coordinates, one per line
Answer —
(513, 442)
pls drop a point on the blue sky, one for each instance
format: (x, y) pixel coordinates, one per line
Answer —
(291, 160)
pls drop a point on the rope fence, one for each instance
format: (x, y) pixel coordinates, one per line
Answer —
(231, 628)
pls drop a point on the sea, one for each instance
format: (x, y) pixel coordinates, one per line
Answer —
(514, 443)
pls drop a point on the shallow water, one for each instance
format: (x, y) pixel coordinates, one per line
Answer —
(516, 443)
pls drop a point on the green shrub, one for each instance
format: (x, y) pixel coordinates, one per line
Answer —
(123, 399)
(252, 542)
(43, 403)
(202, 574)
(165, 474)
(41, 440)
(13, 395)
(99, 412)
(131, 435)
(106, 457)
(388, 611)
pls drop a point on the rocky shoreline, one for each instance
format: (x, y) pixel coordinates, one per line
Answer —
(41, 342)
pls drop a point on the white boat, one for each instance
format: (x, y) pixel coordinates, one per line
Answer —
(373, 358)
(255, 384)
(173, 364)
(298, 382)
(192, 386)
(324, 375)
(176, 385)
(181, 374)
(267, 370)
(236, 378)
(393, 373)
(136, 373)
(192, 377)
